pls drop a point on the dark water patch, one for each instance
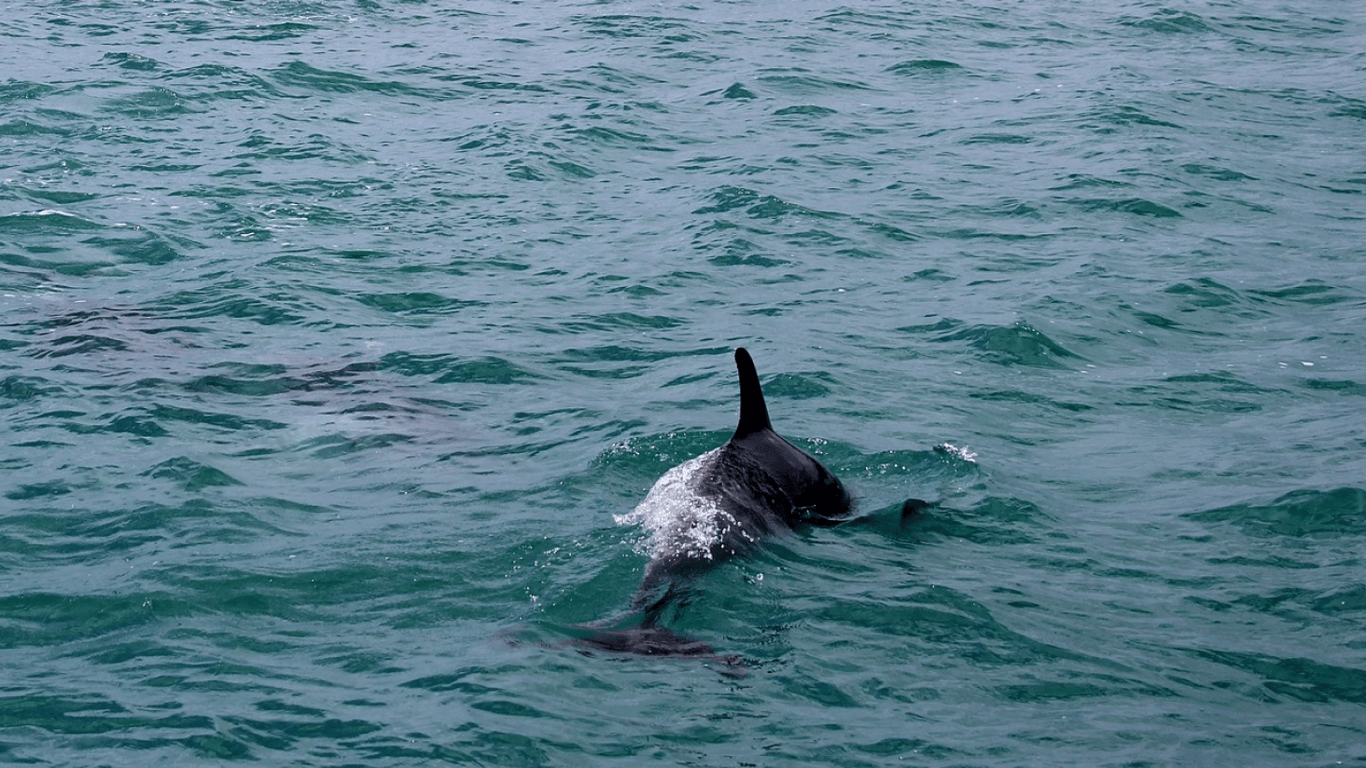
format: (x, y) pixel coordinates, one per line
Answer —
(1340, 386)
(996, 521)
(79, 344)
(33, 491)
(604, 79)
(1195, 399)
(298, 74)
(54, 196)
(1087, 687)
(1218, 173)
(925, 67)
(284, 734)
(213, 82)
(730, 198)
(878, 20)
(138, 246)
(1165, 323)
(618, 137)
(1295, 604)
(23, 128)
(1223, 381)
(1297, 679)
(628, 26)
(802, 83)
(739, 252)
(1106, 121)
(1030, 398)
(488, 370)
(806, 110)
(998, 138)
(312, 147)
(190, 475)
(50, 619)
(192, 523)
(1354, 108)
(285, 30)
(337, 446)
(156, 103)
(24, 91)
(138, 425)
(1169, 21)
(409, 364)
(250, 387)
(15, 389)
(490, 82)
(1302, 513)
(629, 321)
(1347, 599)
(1133, 205)
(572, 170)
(1288, 604)
(131, 61)
(1017, 344)
(1206, 293)
(227, 301)
(46, 223)
(736, 91)
(1311, 292)
(415, 303)
(117, 653)
(937, 620)
(86, 716)
(259, 380)
(614, 354)
(1275, 561)
(1087, 181)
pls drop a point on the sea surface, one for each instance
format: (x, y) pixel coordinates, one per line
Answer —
(335, 336)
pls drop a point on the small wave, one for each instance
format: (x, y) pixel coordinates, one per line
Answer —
(1297, 514)
(1135, 205)
(47, 221)
(133, 61)
(925, 66)
(1169, 21)
(191, 475)
(1298, 679)
(1017, 344)
(311, 79)
(415, 303)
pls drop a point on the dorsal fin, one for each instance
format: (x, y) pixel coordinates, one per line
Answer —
(753, 411)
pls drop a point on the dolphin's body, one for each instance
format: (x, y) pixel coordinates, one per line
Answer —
(718, 505)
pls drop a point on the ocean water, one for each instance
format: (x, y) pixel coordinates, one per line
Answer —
(333, 336)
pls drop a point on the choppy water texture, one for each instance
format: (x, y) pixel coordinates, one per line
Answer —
(335, 335)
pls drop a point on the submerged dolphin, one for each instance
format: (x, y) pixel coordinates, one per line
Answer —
(721, 504)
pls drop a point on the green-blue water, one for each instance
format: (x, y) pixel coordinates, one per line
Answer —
(333, 336)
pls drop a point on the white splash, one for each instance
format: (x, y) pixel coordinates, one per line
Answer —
(680, 521)
(963, 453)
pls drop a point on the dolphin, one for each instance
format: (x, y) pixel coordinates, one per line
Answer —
(716, 506)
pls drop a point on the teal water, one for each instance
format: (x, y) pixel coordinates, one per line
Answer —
(334, 335)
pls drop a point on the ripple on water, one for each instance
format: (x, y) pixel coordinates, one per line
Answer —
(1017, 344)
(1302, 513)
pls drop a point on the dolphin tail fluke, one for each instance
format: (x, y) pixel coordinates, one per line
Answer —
(641, 633)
